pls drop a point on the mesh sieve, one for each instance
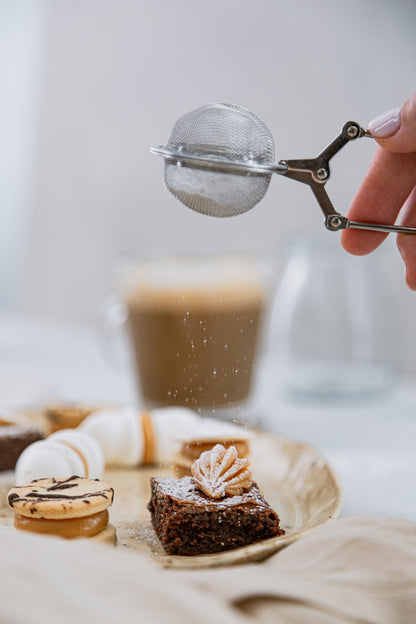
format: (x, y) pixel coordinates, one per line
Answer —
(214, 136)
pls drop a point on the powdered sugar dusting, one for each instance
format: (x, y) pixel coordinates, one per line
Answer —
(185, 490)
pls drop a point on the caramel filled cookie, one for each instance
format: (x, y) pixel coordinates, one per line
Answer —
(70, 508)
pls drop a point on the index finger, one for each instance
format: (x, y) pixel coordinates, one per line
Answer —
(383, 191)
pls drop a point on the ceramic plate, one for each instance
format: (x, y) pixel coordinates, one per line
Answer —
(293, 477)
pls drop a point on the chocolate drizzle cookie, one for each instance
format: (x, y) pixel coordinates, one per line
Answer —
(72, 507)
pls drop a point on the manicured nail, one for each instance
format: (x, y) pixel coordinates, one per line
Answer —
(386, 124)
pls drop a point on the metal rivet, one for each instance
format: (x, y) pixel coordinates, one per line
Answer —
(352, 132)
(335, 222)
(322, 174)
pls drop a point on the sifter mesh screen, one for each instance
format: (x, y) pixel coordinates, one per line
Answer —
(229, 133)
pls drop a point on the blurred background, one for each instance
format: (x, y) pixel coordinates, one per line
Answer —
(89, 85)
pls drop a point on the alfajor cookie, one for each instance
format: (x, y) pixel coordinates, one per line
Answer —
(192, 450)
(71, 508)
(120, 433)
(131, 437)
(190, 436)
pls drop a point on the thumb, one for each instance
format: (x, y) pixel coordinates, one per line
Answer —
(395, 130)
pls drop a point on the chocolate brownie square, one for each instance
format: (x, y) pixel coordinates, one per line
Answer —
(187, 522)
(13, 441)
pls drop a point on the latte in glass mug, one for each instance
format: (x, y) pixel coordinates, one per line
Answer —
(195, 326)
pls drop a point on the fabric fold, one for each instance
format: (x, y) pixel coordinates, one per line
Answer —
(358, 570)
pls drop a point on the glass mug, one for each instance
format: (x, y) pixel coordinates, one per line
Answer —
(195, 326)
(335, 334)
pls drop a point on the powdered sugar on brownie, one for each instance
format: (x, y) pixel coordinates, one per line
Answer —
(185, 490)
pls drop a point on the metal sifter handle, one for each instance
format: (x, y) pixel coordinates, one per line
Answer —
(315, 172)
(338, 222)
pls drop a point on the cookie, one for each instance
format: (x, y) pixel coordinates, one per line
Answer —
(120, 432)
(191, 451)
(57, 499)
(62, 454)
(66, 416)
(130, 437)
(14, 438)
(70, 508)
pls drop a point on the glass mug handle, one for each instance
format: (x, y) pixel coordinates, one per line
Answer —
(113, 316)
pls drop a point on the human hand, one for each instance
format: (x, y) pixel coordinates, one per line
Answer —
(388, 187)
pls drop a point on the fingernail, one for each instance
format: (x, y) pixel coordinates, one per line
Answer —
(386, 124)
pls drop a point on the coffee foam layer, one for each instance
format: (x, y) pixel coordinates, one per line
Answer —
(231, 298)
(219, 284)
